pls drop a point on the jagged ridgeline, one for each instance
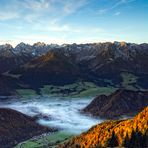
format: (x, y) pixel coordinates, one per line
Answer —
(131, 133)
(117, 64)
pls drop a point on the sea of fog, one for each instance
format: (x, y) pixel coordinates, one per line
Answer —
(63, 113)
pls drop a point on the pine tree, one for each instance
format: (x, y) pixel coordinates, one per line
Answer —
(113, 141)
(132, 140)
(126, 141)
(145, 139)
(135, 140)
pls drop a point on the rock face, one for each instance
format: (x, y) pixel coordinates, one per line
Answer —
(121, 102)
(16, 127)
(131, 133)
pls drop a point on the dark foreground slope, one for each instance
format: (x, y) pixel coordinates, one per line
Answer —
(16, 127)
(131, 133)
(121, 102)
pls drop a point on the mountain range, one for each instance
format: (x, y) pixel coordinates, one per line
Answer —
(104, 64)
(117, 72)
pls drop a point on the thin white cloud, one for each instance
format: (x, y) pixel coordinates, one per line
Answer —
(40, 11)
(58, 27)
(102, 11)
(117, 13)
(34, 5)
(121, 2)
(37, 5)
(71, 6)
(8, 15)
(114, 6)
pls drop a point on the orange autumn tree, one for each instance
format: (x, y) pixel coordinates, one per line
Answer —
(117, 132)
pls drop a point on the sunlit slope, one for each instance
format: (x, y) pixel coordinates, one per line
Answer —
(126, 133)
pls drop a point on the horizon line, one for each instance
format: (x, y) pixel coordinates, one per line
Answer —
(60, 44)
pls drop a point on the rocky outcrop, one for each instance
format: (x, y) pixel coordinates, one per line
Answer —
(16, 127)
(131, 133)
(121, 102)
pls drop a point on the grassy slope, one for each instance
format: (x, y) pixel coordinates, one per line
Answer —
(44, 141)
(129, 81)
(79, 89)
(26, 92)
(82, 89)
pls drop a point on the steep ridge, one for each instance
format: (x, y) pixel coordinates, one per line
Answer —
(52, 68)
(121, 102)
(16, 127)
(128, 133)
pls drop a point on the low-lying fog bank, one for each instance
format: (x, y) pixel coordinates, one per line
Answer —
(56, 112)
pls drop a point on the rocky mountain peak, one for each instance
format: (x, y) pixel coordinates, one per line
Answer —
(23, 48)
(6, 50)
(6, 47)
(39, 44)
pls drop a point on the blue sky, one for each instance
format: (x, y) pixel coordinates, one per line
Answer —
(69, 21)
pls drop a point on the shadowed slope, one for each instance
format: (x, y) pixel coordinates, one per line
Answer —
(121, 102)
(16, 127)
(52, 68)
